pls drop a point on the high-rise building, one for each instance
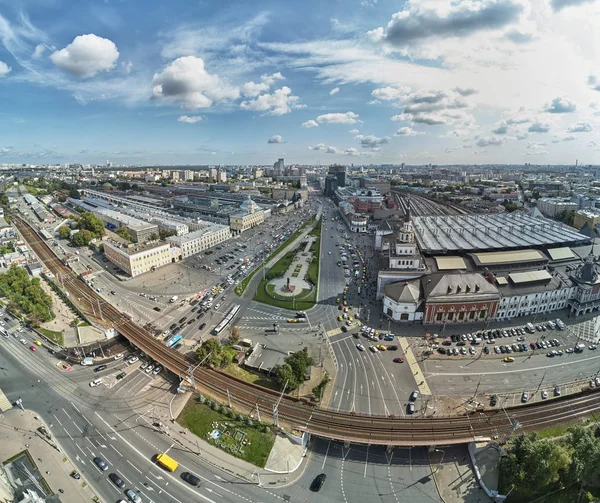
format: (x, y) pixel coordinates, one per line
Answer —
(279, 167)
(340, 173)
(330, 185)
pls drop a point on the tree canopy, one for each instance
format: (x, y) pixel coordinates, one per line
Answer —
(211, 352)
(90, 222)
(568, 463)
(64, 232)
(293, 369)
(26, 295)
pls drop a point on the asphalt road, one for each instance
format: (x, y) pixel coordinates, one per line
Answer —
(87, 423)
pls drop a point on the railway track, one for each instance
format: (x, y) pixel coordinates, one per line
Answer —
(300, 414)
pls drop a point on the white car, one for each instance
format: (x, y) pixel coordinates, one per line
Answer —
(95, 382)
(544, 395)
(374, 349)
(23, 341)
(133, 359)
(360, 347)
(118, 356)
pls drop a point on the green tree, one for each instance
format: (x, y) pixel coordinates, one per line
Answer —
(74, 193)
(26, 295)
(585, 454)
(82, 238)
(64, 232)
(153, 236)
(90, 222)
(235, 335)
(164, 234)
(125, 234)
(210, 352)
(509, 206)
(298, 362)
(532, 459)
(285, 374)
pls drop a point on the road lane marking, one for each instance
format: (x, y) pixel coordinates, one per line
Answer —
(67, 414)
(67, 433)
(123, 476)
(57, 419)
(116, 450)
(326, 452)
(134, 467)
(161, 490)
(76, 445)
(75, 424)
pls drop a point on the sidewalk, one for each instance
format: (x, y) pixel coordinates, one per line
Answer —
(454, 477)
(19, 433)
(285, 455)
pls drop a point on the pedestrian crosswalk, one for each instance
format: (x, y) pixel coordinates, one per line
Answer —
(4, 402)
(264, 318)
(281, 328)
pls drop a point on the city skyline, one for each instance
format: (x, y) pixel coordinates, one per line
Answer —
(421, 81)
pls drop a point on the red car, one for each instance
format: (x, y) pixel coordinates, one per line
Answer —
(32, 348)
(532, 345)
(341, 307)
(399, 360)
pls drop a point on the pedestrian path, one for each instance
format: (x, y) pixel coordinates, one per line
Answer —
(4, 402)
(333, 332)
(414, 366)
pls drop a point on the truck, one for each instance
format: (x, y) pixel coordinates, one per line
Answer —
(87, 361)
(167, 462)
(174, 299)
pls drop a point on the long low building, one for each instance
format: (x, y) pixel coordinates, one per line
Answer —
(473, 233)
(200, 240)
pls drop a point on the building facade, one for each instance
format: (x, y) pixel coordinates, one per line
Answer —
(136, 260)
(200, 240)
(459, 298)
(403, 301)
(250, 216)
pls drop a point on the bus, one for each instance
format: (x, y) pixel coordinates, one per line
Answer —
(173, 340)
(226, 320)
(166, 462)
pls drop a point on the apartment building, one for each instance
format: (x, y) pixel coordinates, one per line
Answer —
(551, 207)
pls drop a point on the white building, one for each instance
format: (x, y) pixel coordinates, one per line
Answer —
(200, 240)
(551, 207)
(402, 301)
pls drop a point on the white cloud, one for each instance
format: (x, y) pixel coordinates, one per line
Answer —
(309, 124)
(389, 93)
(558, 139)
(279, 102)
(561, 106)
(253, 89)
(490, 141)
(190, 119)
(402, 118)
(371, 141)
(320, 146)
(39, 51)
(424, 19)
(86, 56)
(539, 127)
(335, 90)
(354, 131)
(187, 82)
(533, 145)
(407, 131)
(350, 152)
(338, 118)
(501, 128)
(561, 4)
(4, 69)
(276, 139)
(580, 127)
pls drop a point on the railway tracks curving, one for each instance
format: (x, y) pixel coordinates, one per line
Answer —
(300, 414)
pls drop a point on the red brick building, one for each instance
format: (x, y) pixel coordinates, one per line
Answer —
(458, 298)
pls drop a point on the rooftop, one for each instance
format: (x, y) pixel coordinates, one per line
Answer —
(505, 231)
(210, 227)
(131, 248)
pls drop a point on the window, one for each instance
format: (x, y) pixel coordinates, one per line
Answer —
(439, 316)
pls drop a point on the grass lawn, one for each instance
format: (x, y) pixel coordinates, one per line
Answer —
(200, 420)
(239, 290)
(241, 373)
(54, 336)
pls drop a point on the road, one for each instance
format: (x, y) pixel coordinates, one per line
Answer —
(87, 423)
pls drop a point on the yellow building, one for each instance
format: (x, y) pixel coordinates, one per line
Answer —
(135, 260)
(250, 216)
(592, 218)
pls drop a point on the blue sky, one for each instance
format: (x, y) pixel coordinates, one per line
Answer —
(350, 81)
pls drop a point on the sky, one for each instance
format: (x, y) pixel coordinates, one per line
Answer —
(313, 81)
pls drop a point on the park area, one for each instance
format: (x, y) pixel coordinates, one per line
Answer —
(239, 435)
(292, 282)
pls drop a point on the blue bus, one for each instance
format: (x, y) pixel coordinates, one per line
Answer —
(173, 340)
